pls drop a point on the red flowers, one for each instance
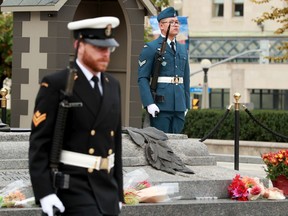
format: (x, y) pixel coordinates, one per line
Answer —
(237, 189)
(247, 188)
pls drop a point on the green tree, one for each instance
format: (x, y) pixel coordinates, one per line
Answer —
(6, 35)
(160, 3)
(279, 15)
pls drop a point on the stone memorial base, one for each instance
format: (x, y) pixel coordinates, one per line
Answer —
(202, 193)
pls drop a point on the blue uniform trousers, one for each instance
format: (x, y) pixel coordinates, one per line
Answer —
(168, 121)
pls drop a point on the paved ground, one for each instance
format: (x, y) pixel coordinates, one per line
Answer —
(253, 169)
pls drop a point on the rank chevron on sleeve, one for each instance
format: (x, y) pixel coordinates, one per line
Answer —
(38, 118)
(141, 63)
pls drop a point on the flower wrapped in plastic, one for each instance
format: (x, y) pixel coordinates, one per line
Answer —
(247, 188)
(138, 189)
(159, 193)
(15, 195)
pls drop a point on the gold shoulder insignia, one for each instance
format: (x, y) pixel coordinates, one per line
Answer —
(38, 118)
(44, 84)
(75, 77)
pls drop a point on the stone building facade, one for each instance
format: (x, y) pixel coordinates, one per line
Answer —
(42, 44)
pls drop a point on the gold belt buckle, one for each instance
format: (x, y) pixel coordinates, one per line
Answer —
(97, 163)
(104, 164)
(176, 80)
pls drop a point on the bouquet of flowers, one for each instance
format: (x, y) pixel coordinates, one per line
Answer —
(13, 195)
(137, 189)
(277, 164)
(247, 188)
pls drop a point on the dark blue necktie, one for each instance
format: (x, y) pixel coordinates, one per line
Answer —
(96, 88)
(172, 44)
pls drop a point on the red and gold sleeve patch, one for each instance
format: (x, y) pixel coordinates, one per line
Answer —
(38, 118)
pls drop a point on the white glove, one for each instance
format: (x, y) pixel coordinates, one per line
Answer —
(49, 201)
(186, 111)
(120, 205)
(153, 109)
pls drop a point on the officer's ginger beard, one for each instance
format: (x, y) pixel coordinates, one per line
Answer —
(174, 29)
(95, 59)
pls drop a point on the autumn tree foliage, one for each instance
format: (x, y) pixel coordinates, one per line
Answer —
(279, 15)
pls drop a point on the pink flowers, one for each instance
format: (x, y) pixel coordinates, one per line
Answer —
(10, 199)
(142, 185)
(14, 195)
(255, 190)
(247, 188)
(238, 189)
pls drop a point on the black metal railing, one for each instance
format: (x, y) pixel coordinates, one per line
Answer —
(237, 127)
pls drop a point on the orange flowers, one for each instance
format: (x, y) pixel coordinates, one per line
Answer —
(277, 163)
(10, 199)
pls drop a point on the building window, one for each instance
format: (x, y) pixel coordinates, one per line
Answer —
(219, 98)
(238, 8)
(218, 8)
(270, 99)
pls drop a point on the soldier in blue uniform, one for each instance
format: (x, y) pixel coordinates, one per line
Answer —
(173, 85)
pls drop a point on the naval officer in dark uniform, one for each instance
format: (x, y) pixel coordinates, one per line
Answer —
(167, 113)
(91, 152)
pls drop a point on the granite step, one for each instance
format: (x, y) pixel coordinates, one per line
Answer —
(225, 207)
(242, 158)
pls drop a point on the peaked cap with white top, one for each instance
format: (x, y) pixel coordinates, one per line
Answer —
(96, 31)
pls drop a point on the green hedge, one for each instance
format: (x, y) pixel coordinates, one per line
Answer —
(8, 116)
(199, 123)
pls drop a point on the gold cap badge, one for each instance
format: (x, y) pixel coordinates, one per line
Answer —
(108, 30)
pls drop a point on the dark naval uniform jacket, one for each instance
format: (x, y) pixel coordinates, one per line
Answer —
(176, 97)
(88, 131)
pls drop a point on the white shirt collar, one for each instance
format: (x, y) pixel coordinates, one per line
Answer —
(168, 40)
(87, 73)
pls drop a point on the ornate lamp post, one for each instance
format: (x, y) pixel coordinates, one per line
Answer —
(205, 63)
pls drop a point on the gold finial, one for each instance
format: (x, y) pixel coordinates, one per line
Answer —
(3, 93)
(237, 96)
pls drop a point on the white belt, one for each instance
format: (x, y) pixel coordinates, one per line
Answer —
(174, 80)
(87, 161)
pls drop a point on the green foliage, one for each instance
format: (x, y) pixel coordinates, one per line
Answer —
(148, 35)
(160, 3)
(8, 116)
(199, 123)
(274, 171)
(6, 29)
